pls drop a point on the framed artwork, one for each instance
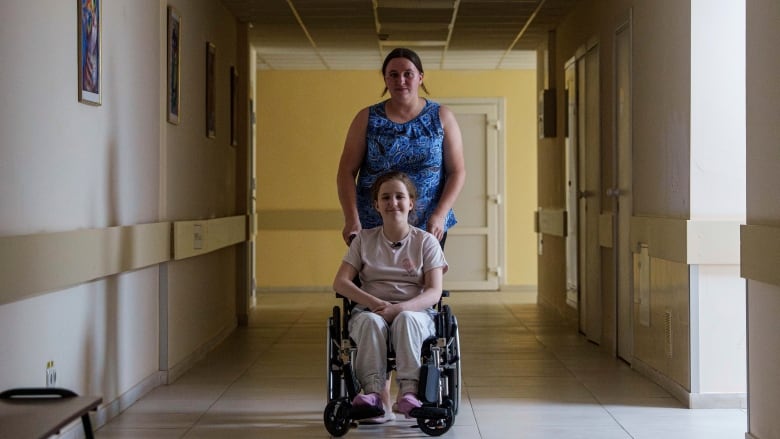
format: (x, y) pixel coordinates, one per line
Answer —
(211, 91)
(174, 65)
(89, 51)
(233, 106)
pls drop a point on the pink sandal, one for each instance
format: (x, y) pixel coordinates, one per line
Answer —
(407, 403)
(369, 400)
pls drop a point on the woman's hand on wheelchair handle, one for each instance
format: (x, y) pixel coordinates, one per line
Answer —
(350, 231)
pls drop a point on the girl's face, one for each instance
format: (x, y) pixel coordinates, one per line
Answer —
(402, 77)
(393, 201)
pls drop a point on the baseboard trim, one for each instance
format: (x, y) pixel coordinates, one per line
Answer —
(176, 371)
(678, 392)
(718, 400)
(109, 411)
(691, 400)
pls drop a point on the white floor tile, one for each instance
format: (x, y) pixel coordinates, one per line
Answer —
(526, 374)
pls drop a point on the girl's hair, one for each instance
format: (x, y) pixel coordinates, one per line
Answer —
(402, 52)
(403, 178)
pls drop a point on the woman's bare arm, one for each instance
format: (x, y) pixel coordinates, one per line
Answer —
(349, 165)
(430, 295)
(454, 168)
(344, 285)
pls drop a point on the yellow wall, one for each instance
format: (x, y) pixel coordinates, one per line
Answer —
(302, 118)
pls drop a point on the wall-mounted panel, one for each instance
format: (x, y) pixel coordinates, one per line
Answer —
(760, 253)
(551, 222)
(34, 264)
(193, 238)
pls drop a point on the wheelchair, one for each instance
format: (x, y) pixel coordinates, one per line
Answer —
(439, 384)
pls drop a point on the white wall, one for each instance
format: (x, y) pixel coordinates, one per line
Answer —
(200, 172)
(717, 110)
(717, 185)
(200, 181)
(719, 340)
(67, 166)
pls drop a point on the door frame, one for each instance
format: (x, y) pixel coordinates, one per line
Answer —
(572, 182)
(622, 196)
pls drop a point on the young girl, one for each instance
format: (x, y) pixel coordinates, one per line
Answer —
(400, 268)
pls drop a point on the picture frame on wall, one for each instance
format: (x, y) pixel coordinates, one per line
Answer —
(233, 106)
(211, 91)
(89, 53)
(174, 65)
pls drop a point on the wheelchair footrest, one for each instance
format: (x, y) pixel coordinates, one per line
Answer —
(430, 412)
(358, 413)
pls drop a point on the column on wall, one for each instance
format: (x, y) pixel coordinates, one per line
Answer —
(717, 202)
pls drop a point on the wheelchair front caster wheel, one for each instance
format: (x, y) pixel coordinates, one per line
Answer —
(336, 417)
(435, 427)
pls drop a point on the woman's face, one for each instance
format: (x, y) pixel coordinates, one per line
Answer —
(393, 201)
(402, 77)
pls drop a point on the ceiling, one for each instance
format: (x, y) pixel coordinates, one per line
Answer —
(357, 34)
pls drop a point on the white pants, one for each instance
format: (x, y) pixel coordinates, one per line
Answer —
(407, 333)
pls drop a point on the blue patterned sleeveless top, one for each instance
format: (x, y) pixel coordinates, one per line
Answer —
(415, 148)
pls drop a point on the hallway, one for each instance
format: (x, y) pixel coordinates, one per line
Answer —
(526, 374)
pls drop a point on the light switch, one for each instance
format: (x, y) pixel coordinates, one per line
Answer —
(197, 230)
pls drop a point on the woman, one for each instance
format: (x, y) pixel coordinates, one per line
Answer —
(405, 133)
(401, 269)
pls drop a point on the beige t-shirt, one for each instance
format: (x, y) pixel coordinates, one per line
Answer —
(394, 271)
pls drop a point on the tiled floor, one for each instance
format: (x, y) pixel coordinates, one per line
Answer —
(526, 374)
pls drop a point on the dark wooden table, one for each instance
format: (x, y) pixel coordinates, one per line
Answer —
(41, 412)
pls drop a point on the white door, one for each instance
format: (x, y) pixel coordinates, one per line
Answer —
(622, 194)
(589, 174)
(472, 247)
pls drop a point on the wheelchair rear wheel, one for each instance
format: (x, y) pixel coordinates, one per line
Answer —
(453, 373)
(332, 366)
(451, 360)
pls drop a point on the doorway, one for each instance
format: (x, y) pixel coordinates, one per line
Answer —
(589, 195)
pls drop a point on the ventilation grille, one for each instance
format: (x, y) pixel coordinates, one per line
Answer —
(668, 333)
